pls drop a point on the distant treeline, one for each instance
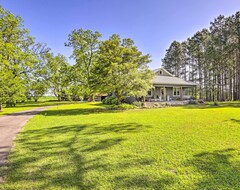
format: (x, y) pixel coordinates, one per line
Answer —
(210, 58)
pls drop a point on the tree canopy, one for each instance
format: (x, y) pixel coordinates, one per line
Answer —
(29, 69)
(85, 45)
(113, 66)
(17, 57)
(122, 68)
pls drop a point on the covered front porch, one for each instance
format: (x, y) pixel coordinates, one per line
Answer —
(170, 93)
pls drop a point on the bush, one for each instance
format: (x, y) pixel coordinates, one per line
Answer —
(110, 101)
(10, 104)
(192, 102)
(138, 104)
(129, 100)
(126, 106)
(201, 101)
(121, 107)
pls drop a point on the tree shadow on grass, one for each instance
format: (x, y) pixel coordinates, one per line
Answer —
(220, 169)
(144, 182)
(119, 128)
(77, 111)
(62, 156)
(42, 103)
(236, 120)
(33, 105)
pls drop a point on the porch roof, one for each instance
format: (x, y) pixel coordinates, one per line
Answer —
(171, 80)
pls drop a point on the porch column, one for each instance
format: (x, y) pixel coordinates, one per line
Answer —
(165, 93)
(181, 93)
(194, 89)
(144, 99)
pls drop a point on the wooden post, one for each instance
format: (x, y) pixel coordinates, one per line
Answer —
(165, 94)
(195, 92)
(181, 93)
(161, 95)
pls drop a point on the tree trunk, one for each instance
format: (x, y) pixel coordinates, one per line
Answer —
(59, 98)
(91, 98)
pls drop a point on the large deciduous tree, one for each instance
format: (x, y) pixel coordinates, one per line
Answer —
(122, 68)
(17, 57)
(58, 75)
(85, 44)
(37, 82)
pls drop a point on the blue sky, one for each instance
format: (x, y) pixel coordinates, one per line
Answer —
(152, 24)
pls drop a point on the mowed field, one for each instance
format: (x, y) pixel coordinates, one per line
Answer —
(85, 146)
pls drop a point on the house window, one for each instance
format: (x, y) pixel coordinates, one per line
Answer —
(176, 91)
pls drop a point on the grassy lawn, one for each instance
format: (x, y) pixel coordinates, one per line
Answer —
(44, 101)
(85, 146)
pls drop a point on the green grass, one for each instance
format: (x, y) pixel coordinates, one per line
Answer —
(43, 101)
(85, 146)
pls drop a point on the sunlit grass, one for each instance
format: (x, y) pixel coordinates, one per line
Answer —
(85, 146)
